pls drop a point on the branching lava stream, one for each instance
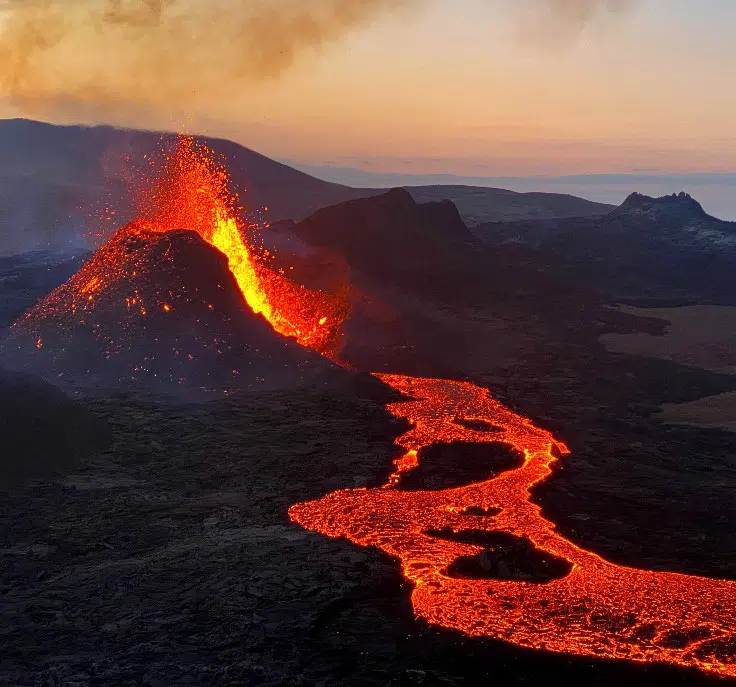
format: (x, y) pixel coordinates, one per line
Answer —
(599, 609)
(594, 608)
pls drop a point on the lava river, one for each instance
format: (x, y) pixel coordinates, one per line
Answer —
(594, 608)
(597, 609)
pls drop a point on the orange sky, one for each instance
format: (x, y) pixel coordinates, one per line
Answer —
(461, 87)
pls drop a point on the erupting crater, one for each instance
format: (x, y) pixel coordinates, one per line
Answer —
(191, 192)
(541, 591)
(482, 557)
(169, 294)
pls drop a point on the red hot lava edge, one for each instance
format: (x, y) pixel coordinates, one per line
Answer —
(599, 609)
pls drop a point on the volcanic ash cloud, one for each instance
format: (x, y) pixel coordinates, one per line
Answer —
(176, 53)
(120, 57)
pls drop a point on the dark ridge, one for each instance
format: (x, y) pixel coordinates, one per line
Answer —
(77, 162)
(445, 466)
(682, 204)
(390, 221)
(392, 241)
(505, 557)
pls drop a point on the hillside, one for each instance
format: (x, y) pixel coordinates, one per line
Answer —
(478, 204)
(58, 181)
(649, 250)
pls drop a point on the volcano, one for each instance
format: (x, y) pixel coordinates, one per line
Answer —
(157, 306)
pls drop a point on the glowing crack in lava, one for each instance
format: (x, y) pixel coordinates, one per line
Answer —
(598, 609)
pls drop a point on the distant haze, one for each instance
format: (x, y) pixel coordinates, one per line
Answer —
(473, 88)
(716, 192)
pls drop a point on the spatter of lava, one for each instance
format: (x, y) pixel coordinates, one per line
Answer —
(597, 609)
(189, 190)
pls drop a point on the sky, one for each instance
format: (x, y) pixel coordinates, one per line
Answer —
(478, 88)
(461, 89)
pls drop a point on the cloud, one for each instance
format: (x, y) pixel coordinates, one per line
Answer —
(119, 58)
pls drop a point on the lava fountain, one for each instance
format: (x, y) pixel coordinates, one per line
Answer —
(192, 192)
(188, 190)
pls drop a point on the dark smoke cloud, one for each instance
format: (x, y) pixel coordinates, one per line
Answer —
(177, 53)
(190, 55)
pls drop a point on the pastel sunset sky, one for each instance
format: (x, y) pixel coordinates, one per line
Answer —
(482, 87)
(461, 88)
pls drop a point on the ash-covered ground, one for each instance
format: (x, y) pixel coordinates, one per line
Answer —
(145, 539)
(164, 556)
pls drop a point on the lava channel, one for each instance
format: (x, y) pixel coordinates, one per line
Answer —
(596, 609)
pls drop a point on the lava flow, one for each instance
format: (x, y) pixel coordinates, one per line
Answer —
(189, 191)
(192, 193)
(595, 609)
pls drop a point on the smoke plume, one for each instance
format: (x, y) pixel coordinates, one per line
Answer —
(180, 53)
(190, 55)
(560, 22)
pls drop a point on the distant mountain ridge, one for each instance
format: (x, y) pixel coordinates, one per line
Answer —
(648, 250)
(479, 204)
(58, 181)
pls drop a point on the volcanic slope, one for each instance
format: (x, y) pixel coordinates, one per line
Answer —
(157, 307)
(393, 239)
(53, 173)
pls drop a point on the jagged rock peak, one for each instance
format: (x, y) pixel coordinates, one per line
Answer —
(677, 203)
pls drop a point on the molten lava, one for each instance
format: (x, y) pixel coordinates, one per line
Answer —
(191, 192)
(599, 609)
(594, 608)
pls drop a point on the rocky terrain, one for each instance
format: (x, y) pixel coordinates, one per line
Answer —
(166, 557)
(649, 251)
(150, 543)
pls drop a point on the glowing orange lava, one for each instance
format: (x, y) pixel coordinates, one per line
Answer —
(191, 192)
(599, 609)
